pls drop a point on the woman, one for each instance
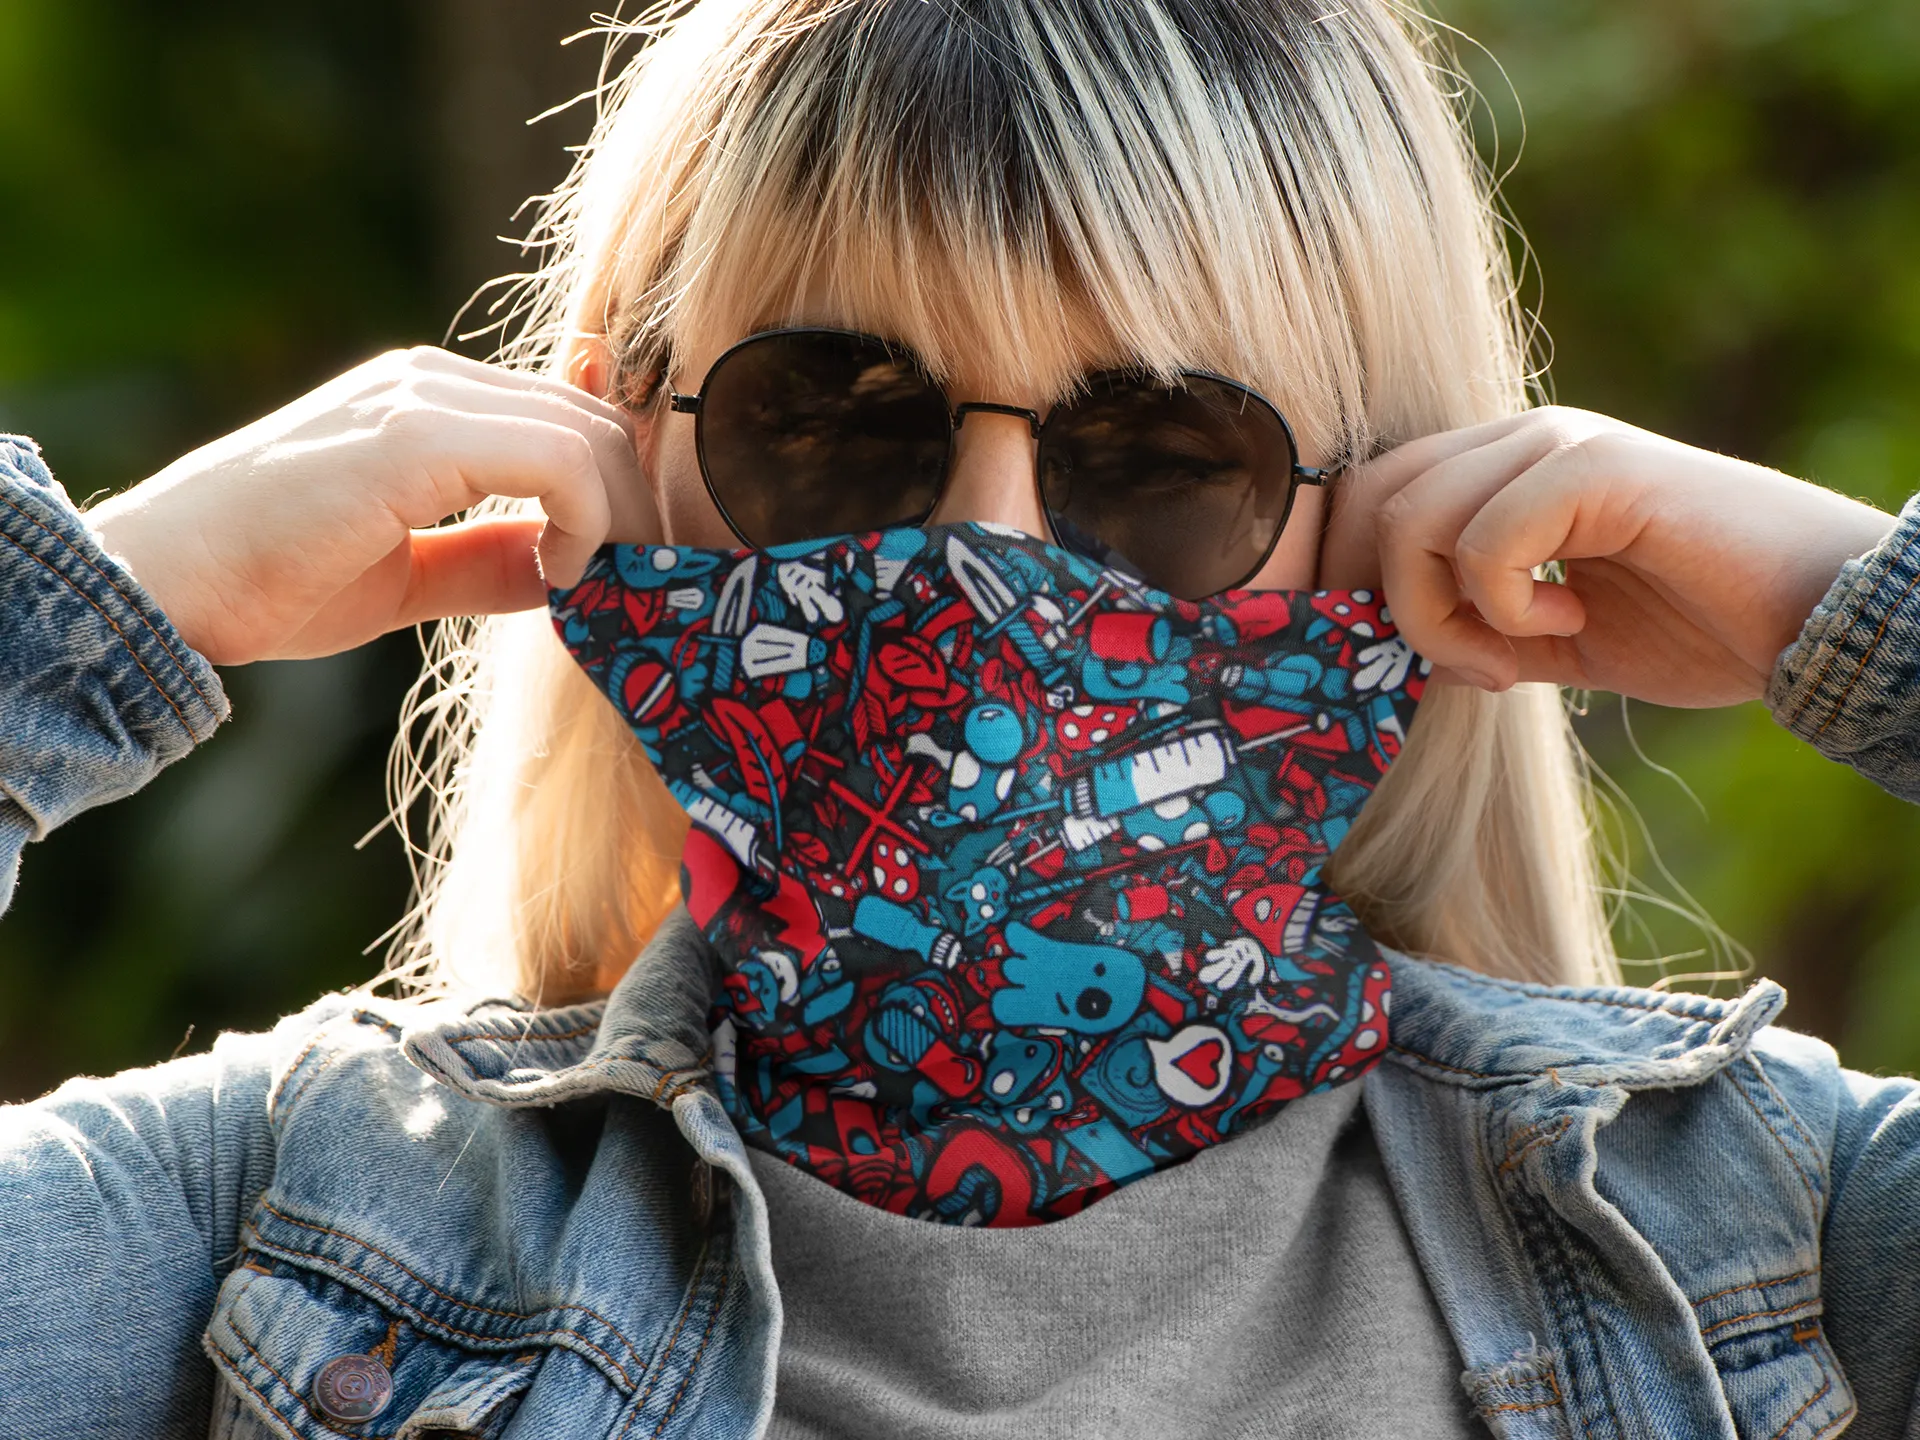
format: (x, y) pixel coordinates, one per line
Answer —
(1028, 865)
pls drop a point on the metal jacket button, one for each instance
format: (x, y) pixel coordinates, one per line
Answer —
(353, 1388)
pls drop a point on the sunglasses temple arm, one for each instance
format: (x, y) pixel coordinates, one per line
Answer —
(1310, 475)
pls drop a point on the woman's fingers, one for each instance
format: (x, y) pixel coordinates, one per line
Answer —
(1547, 657)
(1388, 473)
(632, 513)
(1419, 528)
(1350, 547)
(1513, 507)
(1579, 501)
(1461, 539)
(480, 567)
(460, 459)
(303, 532)
(429, 359)
(453, 418)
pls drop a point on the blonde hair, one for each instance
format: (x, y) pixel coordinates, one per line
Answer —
(1277, 190)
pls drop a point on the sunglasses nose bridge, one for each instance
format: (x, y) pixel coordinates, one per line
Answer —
(991, 471)
(989, 407)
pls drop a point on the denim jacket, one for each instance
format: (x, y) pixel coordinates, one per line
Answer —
(1643, 1214)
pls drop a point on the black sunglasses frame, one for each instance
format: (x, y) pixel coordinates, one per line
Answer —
(1297, 474)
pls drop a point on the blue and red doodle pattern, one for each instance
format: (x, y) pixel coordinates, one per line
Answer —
(1013, 864)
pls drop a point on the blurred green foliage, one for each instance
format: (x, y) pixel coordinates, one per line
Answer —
(207, 204)
(211, 205)
(208, 207)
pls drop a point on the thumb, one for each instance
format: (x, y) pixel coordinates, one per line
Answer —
(1552, 658)
(478, 567)
(1349, 549)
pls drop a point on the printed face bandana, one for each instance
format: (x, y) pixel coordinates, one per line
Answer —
(1013, 865)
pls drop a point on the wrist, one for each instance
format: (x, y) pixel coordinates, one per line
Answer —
(121, 527)
(1846, 683)
(1856, 533)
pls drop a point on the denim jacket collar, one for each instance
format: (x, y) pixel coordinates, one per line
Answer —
(648, 1038)
(1455, 1026)
(1460, 1027)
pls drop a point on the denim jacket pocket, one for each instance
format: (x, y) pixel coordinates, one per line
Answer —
(277, 1327)
(1781, 1378)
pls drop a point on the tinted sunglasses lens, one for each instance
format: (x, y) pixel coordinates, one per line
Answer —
(1186, 489)
(812, 434)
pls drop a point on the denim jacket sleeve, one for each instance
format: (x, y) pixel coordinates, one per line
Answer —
(97, 689)
(1850, 685)
(118, 1198)
(122, 1202)
(1870, 1250)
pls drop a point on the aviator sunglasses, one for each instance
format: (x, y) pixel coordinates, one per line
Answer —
(804, 433)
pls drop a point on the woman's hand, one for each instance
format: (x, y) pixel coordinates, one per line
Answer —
(303, 533)
(1687, 572)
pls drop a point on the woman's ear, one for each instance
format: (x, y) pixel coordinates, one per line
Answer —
(590, 367)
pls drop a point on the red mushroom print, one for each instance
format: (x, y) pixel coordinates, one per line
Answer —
(893, 871)
(1277, 915)
(1369, 1037)
(1361, 613)
(1081, 728)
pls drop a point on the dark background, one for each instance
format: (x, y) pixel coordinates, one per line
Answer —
(207, 207)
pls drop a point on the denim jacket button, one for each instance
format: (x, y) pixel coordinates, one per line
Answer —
(351, 1388)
